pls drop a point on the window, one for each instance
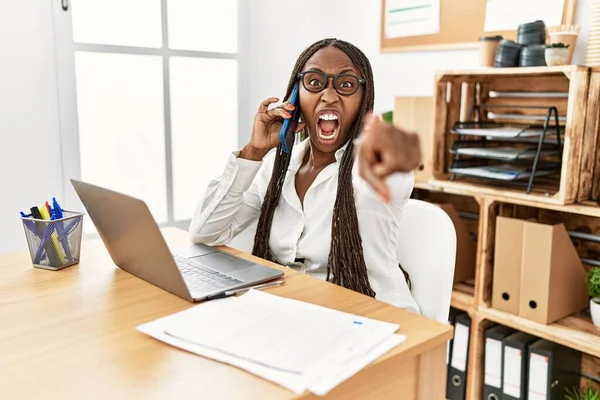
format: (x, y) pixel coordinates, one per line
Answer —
(149, 97)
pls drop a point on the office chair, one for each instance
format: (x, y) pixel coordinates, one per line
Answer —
(427, 251)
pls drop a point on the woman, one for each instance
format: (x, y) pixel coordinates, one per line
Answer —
(315, 212)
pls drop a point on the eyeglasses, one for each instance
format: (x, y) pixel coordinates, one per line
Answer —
(344, 84)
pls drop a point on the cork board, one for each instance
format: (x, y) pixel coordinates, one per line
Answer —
(461, 24)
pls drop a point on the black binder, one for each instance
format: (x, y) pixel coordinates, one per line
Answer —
(553, 368)
(455, 389)
(514, 370)
(451, 320)
(492, 382)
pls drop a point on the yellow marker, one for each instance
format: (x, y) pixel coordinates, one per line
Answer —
(53, 237)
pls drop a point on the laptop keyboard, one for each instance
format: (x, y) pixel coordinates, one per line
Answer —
(201, 278)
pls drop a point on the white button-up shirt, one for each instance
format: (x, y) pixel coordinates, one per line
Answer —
(303, 231)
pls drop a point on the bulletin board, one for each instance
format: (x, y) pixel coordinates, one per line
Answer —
(408, 25)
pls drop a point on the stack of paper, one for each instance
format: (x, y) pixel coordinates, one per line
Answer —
(298, 345)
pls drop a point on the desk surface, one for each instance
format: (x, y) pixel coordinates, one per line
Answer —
(72, 333)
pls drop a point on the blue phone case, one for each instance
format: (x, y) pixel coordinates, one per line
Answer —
(286, 122)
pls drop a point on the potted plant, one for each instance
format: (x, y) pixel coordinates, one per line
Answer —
(579, 394)
(593, 283)
(556, 54)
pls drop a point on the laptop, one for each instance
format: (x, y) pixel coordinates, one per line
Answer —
(137, 246)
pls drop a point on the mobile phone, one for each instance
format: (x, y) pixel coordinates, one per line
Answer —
(288, 128)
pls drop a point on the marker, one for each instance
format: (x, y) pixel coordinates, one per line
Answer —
(57, 209)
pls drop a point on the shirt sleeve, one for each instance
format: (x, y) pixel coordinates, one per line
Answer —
(230, 203)
(400, 186)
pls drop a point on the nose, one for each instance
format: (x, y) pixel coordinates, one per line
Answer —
(329, 95)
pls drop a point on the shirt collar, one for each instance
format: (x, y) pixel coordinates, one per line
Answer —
(300, 149)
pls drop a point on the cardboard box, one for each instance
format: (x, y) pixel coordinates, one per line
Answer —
(538, 274)
(466, 247)
(508, 251)
(415, 114)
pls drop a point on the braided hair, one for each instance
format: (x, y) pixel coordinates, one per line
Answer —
(346, 265)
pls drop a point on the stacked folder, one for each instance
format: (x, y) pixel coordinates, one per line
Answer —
(520, 366)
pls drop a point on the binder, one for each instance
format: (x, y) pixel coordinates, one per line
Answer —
(451, 320)
(507, 264)
(455, 389)
(514, 371)
(552, 275)
(553, 368)
(492, 383)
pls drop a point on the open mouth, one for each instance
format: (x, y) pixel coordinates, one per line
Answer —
(328, 126)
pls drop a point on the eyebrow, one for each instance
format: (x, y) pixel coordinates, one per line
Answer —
(344, 70)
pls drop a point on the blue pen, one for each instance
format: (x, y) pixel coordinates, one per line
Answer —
(57, 210)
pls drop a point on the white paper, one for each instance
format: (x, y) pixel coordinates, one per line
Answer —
(460, 346)
(493, 363)
(512, 372)
(405, 18)
(266, 341)
(538, 377)
(507, 15)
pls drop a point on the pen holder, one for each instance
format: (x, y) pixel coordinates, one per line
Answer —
(54, 244)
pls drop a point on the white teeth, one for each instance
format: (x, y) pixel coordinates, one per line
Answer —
(328, 117)
(327, 137)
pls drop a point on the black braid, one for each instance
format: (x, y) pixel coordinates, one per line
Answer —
(346, 265)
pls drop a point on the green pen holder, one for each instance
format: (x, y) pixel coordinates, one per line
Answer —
(54, 244)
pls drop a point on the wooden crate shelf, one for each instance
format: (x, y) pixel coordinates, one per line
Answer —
(516, 90)
(588, 208)
(575, 331)
(463, 297)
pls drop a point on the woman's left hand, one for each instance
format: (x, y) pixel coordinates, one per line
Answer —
(384, 149)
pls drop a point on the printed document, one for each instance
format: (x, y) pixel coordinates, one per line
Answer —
(298, 345)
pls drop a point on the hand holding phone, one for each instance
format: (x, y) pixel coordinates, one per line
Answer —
(268, 125)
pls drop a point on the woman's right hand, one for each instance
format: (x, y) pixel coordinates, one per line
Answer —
(265, 132)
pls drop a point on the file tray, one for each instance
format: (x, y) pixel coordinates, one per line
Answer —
(502, 153)
(464, 101)
(503, 172)
(495, 130)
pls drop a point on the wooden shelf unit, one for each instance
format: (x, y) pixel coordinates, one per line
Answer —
(575, 200)
(573, 90)
(575, 331)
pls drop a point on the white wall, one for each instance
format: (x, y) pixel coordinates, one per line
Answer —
(276, 43)
(30, 163)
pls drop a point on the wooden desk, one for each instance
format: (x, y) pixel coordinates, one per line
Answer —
(71, 334)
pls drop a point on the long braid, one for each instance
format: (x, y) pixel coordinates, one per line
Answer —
(346, 265)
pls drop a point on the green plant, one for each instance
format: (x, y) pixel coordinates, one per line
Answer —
(388, 116)
(593, 282)
(580, 394)
(558, 45)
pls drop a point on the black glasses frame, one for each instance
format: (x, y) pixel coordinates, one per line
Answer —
(361, 81)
